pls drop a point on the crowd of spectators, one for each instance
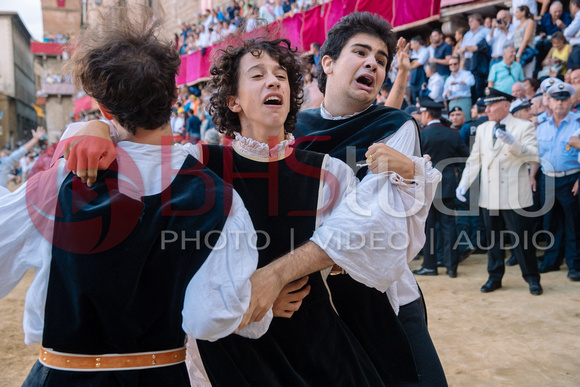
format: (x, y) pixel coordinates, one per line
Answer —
(56, 38)
(215, 24)
(518, 48)
(16, 165)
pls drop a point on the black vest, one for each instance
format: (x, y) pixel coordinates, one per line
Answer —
(113, 287)
(314, 347)
(366, 311)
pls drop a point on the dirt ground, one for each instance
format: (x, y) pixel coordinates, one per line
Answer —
(504, 338)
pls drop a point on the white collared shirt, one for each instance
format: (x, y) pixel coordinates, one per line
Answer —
(327, 116)
(498, 39)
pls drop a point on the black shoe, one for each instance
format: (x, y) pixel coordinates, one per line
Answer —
(465, 253)
(424, 271)
(440, 264)
(574, 275)
(536, 288)
(490, 286)
(548, 269)
(512, 261)
(451, 273)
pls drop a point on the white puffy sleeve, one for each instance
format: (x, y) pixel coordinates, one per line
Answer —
(19, 240)
(417, 196)
(376, 228)
(219, 293)
(25, 243)
(377, 225)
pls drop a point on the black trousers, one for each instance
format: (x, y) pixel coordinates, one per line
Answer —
(414, 320)
(447, 235)
(574, 58)
(498, 221)
(562, 220)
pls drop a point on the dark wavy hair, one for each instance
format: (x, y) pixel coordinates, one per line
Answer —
(121, 62)
(349, 26)
(225, 76)
(526, 10)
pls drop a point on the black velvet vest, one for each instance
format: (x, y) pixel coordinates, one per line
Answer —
(114, 286)
(366, 311)
(313, 348)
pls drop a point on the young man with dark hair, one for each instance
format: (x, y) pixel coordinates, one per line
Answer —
(440, 52)
(306, 349)
(121, 274)
(355, 57)
(417, 78)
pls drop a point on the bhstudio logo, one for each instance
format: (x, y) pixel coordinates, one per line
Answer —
(80, 219)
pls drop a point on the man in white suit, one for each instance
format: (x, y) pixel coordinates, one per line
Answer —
(503, 147)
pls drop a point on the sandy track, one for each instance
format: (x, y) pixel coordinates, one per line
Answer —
(504, 338)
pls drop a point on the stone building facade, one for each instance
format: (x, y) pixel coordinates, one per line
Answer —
(17, 89)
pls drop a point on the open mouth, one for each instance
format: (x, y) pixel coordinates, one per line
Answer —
(365, 80)
(277, 101)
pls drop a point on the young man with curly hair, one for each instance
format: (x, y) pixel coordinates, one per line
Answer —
(256, 97)
(391, 325)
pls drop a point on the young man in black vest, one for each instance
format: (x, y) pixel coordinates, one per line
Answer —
(354, 60)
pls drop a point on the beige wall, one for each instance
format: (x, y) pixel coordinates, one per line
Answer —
(58, 115)
(174, 12)
(61, 20)
(178, 12)
(23, 64)
(8, 122)
(58, 108)
(6, 56)
(16, 79)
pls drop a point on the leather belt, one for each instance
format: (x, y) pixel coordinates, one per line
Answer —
(110, 362)
(562, 173)
(336, 270)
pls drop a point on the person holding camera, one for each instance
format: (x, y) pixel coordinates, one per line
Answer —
(502, 33)
(503, 146)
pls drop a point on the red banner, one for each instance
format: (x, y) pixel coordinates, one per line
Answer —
(311, 26)
(61, 3)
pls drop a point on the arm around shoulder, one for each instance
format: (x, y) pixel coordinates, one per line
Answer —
(220, 292)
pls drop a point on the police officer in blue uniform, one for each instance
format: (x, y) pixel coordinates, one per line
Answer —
(561, 170)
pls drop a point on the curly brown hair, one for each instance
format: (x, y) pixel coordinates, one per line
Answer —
(121, 62)
(225, 76)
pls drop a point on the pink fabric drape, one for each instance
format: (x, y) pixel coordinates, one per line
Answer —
(311, 26)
